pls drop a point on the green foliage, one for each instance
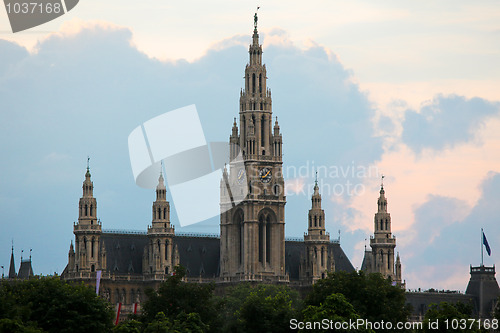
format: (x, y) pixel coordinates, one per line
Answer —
(177, 299)
(52, 305)
(263, 308)
(373, 297)
(184, 323)
(129, 326)
(161, 324)
(14, 326)
(335, 308)
(447, 316)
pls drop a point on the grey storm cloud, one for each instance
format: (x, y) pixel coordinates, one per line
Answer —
(82, 94)
(446, 121)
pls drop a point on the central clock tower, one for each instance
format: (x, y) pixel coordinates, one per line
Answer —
(253, 231)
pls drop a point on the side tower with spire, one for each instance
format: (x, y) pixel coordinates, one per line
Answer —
(381, 257)
(159, 254)
(86, 256)
(253, 232)
(317, 262)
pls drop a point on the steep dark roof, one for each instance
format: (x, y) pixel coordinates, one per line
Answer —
(124, 252)
(12, 268)
(367, 260)
(294, 250)
(342, 263)
(199, 255)
(25, 271)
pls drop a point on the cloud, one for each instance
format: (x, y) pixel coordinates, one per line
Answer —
(446, 121)
(11, 55)
(447, 240)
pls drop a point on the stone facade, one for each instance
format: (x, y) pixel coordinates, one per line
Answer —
(252, 245)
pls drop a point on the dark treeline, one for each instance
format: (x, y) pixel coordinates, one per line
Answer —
(48, 304)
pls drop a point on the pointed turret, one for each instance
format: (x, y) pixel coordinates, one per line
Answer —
(12, 267)
(161, 207)
(276, 127)
(398, 270)
(71, 257)
(88, 204)
(382, 201)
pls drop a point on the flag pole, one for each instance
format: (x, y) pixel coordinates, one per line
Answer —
(482, 247)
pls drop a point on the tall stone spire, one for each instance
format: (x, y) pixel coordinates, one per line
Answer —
(256, 138)
(253, 232)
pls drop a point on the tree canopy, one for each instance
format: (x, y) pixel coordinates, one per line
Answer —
(48, 304)
(449, 317)
(261, 308)
(176, 299)
(373, 297)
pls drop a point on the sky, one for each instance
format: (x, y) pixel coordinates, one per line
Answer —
(408, 90)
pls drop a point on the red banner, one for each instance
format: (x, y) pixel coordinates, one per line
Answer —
(118, 313)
